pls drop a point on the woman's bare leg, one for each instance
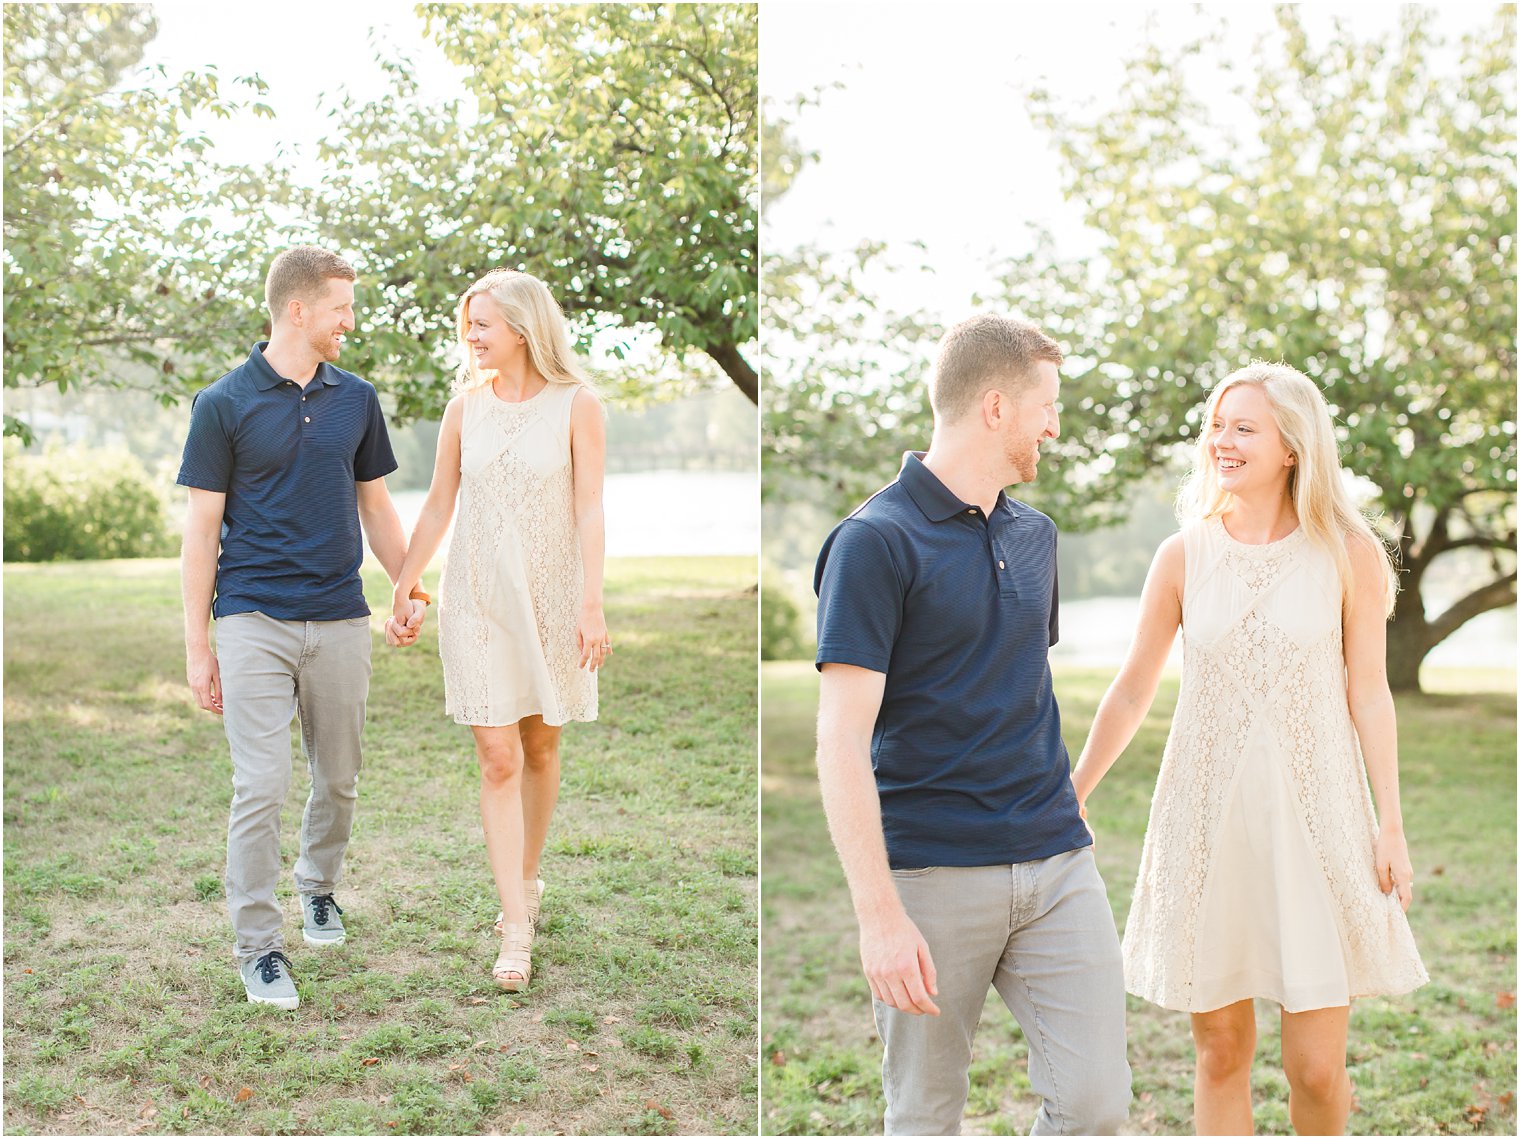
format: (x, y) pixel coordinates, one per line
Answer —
(1314, 1060)
(540, 788)
(1225, 1042)
(500, 753)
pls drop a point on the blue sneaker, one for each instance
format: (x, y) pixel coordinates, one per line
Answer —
(268, 980)
(320, 923)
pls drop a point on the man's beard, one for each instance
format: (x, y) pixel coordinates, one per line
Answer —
(1023, 458)
(325, 347)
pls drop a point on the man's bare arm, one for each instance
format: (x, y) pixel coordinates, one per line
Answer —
(387, 540)
(203, 540)
(893, 953)
(382, 525)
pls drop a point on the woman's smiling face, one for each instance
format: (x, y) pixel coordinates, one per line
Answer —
(491, 340)
(1245, 446)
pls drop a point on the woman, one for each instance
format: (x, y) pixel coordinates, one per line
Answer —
(521, 630)
(1264, 873)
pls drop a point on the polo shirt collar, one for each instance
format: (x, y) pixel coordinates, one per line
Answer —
(933, 497)
(265, 377)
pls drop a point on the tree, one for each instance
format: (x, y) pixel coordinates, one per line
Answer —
(128, 253)
(1360, 226)
(844, 395)
(611, 150)
(1363, 230)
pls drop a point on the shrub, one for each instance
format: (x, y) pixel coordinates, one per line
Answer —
(781, 636)
(78, 503)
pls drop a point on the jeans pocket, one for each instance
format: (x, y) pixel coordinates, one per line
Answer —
(914, 872)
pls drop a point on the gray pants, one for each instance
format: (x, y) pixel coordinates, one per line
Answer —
(271, 670)
(1042, 934)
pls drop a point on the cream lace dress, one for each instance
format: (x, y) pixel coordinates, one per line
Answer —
(511, 590)
(1257, 876)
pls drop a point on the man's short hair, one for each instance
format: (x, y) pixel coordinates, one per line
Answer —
(301, 273)
(986, 352)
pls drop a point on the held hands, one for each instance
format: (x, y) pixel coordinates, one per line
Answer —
(591, 637)
(897, 965)
(1394, 871)
(405, 621)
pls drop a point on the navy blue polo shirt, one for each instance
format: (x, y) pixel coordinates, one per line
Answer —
(958, 609)
(287, 459)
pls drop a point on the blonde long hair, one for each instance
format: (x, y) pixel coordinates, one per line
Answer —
(528, 307)
(1325, 510)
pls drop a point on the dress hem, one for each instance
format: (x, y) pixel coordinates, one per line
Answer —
(508, 723)
(1179, 1006)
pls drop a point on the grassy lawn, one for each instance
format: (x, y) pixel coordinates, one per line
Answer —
(1440, 1061)
(123, 1011)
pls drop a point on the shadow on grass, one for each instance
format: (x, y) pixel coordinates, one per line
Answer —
(1439, 1061)
(123, 1012)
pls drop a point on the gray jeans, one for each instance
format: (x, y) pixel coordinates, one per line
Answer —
(272, 670)
(1042, 934)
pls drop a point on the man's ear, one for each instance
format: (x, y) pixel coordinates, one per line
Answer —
(993, 407)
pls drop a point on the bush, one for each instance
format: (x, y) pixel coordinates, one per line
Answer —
(781, 636)
(77, 503)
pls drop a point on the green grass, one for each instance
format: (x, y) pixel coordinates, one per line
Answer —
(123, 1011)
(1439, 1061)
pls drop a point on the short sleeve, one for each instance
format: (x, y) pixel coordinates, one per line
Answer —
(374, 458)
(1055, 590)
(207, 460)
(860, 598)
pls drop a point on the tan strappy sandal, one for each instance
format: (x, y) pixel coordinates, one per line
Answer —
(514, 967)
(533, 891)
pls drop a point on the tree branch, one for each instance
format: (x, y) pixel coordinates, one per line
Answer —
(1495, 489)
(53, 116)
(1486, 541)
(1495, 595)
(1436, 538)
(737, 368)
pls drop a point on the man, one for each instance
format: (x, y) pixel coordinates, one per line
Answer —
(967, 859)
(286, 455)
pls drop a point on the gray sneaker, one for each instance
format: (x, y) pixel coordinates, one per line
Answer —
(268, 981)
(320, 923)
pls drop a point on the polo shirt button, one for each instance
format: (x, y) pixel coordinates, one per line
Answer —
(308, 419)
(971, 512)
(1001, 565)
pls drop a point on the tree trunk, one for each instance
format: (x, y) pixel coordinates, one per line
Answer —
(1408, 629)
(737, 368)
(1408, 643)
(1413, 633)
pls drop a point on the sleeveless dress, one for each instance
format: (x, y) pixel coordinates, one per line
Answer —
(1257, 876)
(510, 596)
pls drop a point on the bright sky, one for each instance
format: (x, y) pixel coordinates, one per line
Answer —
(308, 54)
(927, 140)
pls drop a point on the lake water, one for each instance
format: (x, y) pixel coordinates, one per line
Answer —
(1098, 632)
(683, 513)
(663, 513)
